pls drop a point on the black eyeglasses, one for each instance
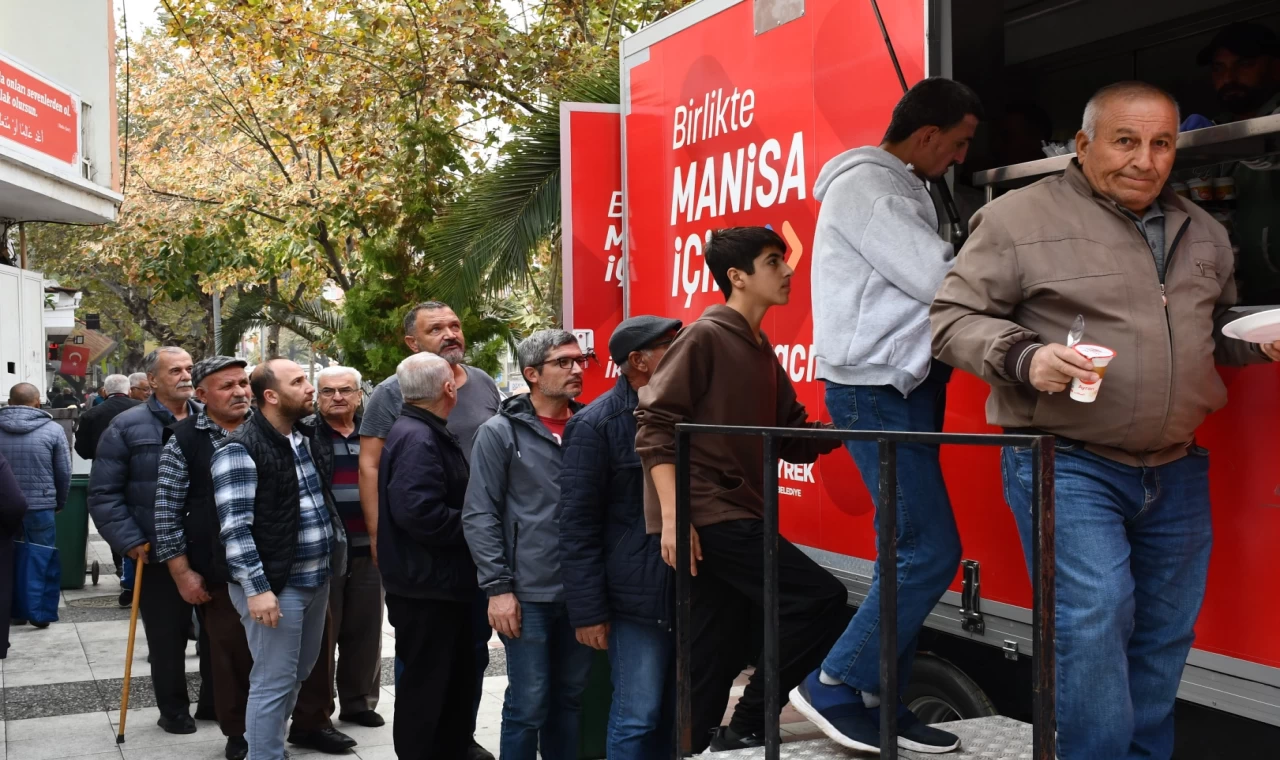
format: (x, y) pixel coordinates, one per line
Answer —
(661, 344)
(565, 362)
(331, 392)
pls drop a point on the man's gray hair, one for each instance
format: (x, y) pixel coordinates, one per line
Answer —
(423, 376)
(335, 372)
(534, 349)
(136, 377)
(115, 384)
(1127, 91)
(152, 359)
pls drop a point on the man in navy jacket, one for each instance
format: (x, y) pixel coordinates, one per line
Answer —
(617, 588)
(426, 567)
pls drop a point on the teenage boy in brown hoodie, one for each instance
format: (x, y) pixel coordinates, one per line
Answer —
(721, 370)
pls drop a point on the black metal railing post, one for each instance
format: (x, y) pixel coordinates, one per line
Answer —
(887, 528)
(769, 657)
(1044, 721)
(1043, 575)
(684, 686)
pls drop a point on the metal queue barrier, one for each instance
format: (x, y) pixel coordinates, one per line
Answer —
(1044, 726)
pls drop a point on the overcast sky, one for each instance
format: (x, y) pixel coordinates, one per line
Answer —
(140, 13)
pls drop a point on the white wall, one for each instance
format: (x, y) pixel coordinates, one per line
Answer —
(71, 43)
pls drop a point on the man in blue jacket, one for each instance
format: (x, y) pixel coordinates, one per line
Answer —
(37, 450)
(426, 568)
(617, 588)
(122, 500)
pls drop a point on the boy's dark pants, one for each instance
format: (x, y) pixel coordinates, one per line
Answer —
(727, 602)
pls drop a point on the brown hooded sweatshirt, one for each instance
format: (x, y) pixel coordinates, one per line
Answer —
(717, 373)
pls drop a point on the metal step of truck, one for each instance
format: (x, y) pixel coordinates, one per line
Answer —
(995, 738)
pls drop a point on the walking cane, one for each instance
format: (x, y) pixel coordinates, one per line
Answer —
(133, 629)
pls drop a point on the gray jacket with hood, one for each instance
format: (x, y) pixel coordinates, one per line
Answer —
(877, 263)
(511, 517)
(37, 450)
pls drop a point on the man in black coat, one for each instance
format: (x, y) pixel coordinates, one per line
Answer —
(13, 507)
(617, 588)
(93, 423)
(426, 567)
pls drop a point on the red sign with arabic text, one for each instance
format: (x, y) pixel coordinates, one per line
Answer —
(38, 115)
(591, 221)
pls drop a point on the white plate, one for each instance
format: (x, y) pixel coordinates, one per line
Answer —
(1259, 327)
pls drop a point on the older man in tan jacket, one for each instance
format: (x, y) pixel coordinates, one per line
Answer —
(1151, 274)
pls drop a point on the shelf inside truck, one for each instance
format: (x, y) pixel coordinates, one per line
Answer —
(1202, 147)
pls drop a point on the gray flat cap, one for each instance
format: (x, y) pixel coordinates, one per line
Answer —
(211, 364)
(638, 333)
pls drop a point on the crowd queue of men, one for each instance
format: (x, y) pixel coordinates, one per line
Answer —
(282, 519)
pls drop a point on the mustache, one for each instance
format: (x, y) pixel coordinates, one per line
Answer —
(184, 384)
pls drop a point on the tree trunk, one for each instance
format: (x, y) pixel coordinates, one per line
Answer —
(273, 340)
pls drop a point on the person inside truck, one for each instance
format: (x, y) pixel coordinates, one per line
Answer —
(721, 370)
(1153, 274)
(878, 260)
(1244, 66)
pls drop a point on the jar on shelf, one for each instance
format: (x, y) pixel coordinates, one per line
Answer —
(1201, 190)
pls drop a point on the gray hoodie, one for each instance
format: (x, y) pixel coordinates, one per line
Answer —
(877, 262)
(511, 517)
(37, 450)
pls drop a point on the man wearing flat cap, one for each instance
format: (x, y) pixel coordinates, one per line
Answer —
(1244, 66)
(616, 584)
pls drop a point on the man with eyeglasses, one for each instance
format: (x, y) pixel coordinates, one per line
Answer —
(432, 327)
(355, 601)
(510, 520)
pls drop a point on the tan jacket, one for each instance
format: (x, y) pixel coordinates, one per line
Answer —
(1039, 256)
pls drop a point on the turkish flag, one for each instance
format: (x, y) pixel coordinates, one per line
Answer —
(75, 360)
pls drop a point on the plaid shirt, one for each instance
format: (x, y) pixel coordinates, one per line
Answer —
(235, 482)
(171, 492)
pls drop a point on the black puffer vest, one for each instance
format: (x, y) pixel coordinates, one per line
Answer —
(276, 502)
(200, 525)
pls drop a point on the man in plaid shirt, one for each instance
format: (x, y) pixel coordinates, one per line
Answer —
(283, 538)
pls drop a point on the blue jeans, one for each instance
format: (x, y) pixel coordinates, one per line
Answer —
(547, 672)
(928, 542)
(38, 527)
(642, 715)
(1132, 563)
(282, 659)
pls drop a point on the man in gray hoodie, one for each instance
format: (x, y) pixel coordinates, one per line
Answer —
(878, 260)
(40, 456)
(511, 520)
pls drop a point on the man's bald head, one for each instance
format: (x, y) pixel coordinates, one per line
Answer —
(24, 394)
(1121, 92)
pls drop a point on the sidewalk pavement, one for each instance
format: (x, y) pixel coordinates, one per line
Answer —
(61, 689)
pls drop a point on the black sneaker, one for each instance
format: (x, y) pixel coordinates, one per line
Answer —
(914, 735)
(839, 712)
(183, 724)
(328, 740)
(367, 718)
(724, 739)
(237, 748)
(476, 752)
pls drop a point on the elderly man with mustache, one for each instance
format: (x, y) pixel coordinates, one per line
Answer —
(1153, 275)
(122, 500)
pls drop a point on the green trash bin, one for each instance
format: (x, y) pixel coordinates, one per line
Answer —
(595, 709)
(72, 526)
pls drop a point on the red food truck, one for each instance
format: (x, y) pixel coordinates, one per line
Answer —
(729, 109)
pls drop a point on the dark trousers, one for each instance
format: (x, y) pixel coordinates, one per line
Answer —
(435, 645)
(355, 602)
(231, 663)
(167, 619)
(727, 602)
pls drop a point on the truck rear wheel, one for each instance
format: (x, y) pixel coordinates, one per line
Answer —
(940, 692)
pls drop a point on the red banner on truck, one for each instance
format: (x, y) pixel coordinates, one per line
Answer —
(591, 233)
(37, 114)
